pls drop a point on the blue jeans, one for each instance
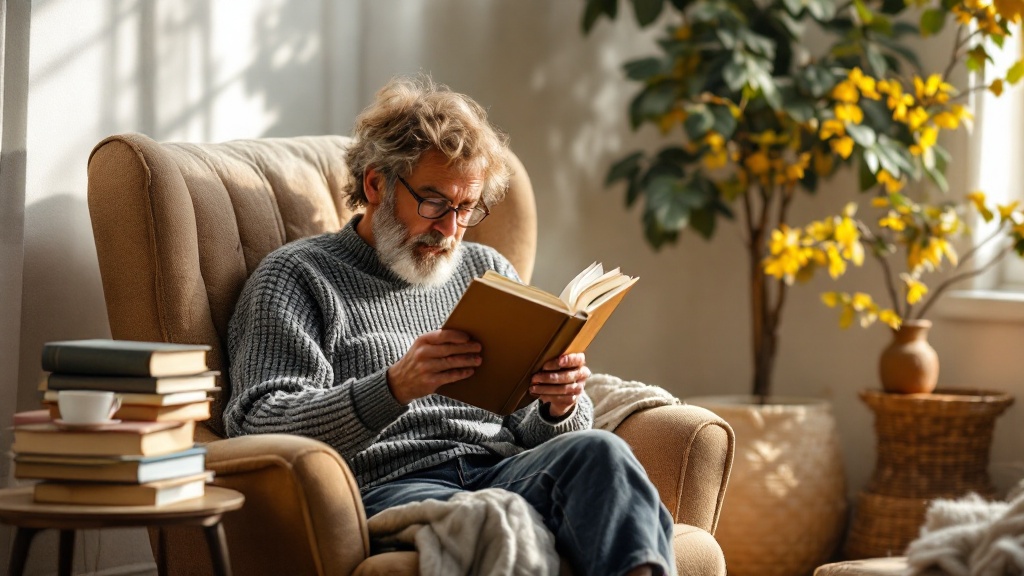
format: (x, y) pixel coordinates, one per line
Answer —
(594, 496)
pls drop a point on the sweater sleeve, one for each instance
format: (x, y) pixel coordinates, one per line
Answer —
(283, 381)
(533, 429)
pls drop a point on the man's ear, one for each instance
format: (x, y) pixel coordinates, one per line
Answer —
(373, 185)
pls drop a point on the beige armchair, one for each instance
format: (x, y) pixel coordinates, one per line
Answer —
(179, 228)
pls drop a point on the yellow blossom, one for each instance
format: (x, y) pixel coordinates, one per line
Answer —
(788, 255)
(714, 160)
(794, 172)
(757, 163)
(932, 88)
(891, 184)
(1009, 9)
(819, 230)
(849, 113)
(846, 91)
(915, 289)
(890, 317)
(880, 202)
(1006, 210)
(861, 301)
(925, 140)
(949, 251)
(947, 120)
(866, 84)
(916, 117)
(830, 128)
(848, 238)
(842, 146)
(846, 317)
(893, 222)
(977, 199)
(831, 299)
(836, 264)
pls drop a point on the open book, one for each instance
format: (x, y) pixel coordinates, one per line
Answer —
(521, 327)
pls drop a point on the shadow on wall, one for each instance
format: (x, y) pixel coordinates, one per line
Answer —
(289, 53)
(66, 299)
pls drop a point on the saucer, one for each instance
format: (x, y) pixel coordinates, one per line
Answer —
(85, 426)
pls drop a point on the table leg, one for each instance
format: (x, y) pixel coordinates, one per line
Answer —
(218, 549)
(19, 554)
(66, 558)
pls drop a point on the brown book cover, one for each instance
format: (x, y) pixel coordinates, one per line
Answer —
(124, 438)
(157, 493)
(124, 358)
(520, 328)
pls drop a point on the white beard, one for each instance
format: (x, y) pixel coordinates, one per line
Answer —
(398, 251)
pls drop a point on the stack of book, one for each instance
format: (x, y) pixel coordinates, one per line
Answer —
(143, 455)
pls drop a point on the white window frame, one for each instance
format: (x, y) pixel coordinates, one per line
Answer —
(996, 166)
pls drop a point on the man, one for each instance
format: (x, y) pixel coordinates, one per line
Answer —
(337, 338)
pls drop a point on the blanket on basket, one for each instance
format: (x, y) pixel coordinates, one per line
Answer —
(495, 531)
(970, 537)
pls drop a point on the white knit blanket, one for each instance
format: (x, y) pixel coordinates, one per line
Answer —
(494, 531)
(970, 537)
(616, 399)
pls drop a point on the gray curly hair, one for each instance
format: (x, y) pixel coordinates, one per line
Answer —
(411, 116)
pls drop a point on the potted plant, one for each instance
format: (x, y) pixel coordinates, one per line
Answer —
(910, 241)
(754, 118)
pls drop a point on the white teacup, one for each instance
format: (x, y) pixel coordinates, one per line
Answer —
(87, 406)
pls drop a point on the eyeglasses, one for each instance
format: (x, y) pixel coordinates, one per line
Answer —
(434, 208)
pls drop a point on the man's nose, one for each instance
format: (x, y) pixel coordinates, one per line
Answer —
(447, 224)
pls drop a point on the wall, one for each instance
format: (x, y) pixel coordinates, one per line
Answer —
(175, 70)
(216, 70)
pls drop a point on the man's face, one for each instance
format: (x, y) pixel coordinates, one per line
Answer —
(418, 249)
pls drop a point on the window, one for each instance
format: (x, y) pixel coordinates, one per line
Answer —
(996, 166)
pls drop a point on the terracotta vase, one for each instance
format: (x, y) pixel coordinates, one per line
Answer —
(909, 364)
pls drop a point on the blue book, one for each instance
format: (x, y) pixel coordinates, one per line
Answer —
(123, 469)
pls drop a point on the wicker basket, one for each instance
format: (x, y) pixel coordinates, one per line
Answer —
(929, 446)
(786, 505)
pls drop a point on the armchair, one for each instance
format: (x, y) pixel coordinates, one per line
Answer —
(178, 229)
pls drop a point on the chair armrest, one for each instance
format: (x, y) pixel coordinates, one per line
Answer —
(687, 452)
(303, 513)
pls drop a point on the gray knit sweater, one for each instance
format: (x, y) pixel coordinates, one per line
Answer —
(316, 328)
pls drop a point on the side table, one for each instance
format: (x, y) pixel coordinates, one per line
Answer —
(929, 446)
(18, 509)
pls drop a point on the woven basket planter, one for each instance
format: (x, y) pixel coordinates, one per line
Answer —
(929, 446)
(785, 507)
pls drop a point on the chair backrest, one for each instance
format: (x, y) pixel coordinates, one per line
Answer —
(179, 228)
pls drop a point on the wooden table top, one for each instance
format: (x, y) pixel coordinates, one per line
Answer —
(18, 509)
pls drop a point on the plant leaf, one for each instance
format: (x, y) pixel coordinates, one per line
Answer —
(647, 11)
(1014, 74)
(653, 101)
(698, 121)
(725, 122)
(861, 134)
(932, 21)
(625, 169)
(644, 68)
(594, 9)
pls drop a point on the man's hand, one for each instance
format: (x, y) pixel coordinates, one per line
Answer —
(434, 359)
(560, 382)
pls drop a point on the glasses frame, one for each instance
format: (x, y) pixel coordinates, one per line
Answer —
(451, 207)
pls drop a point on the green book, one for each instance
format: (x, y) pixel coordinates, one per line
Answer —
(124, 358)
